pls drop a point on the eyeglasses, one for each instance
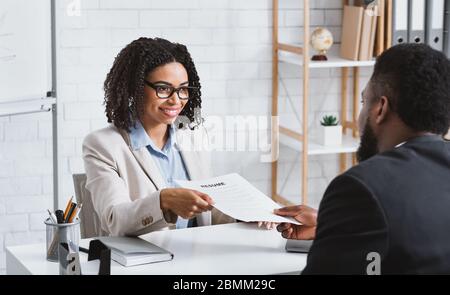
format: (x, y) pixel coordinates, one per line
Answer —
(165, 91)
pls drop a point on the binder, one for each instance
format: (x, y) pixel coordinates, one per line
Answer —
(416, 21)
(399, 22)
(434, 33)
(447, 29)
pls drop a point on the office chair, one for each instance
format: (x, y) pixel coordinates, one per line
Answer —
(89, 221)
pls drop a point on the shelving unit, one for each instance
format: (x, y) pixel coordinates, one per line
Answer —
(349, 145)
(334, 61)
(299, 139)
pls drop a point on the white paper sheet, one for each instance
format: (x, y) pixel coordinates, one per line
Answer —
(236, 197)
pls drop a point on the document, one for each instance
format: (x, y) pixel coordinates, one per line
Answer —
(236, 197)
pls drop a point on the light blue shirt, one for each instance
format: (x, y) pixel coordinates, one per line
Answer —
(168, 159)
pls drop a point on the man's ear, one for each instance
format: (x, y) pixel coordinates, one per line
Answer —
(381, 109)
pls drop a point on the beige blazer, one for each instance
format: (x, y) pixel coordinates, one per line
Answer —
(125, 183)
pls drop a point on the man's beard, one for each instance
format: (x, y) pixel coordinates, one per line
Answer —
(368, 146)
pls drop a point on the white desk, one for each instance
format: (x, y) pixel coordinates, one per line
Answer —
(229, 249)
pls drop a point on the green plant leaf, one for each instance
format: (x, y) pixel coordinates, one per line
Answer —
(329, 121)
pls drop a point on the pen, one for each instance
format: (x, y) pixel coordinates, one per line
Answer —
(59, 216)
(69, 214)
(52, 216)
(69, 204)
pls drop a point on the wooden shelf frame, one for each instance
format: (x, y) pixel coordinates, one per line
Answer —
(348, 124)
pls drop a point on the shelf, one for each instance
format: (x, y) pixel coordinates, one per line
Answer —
(334, 61)
(349, 145)
(295, 53)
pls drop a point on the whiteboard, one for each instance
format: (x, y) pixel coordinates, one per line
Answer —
(25, 51)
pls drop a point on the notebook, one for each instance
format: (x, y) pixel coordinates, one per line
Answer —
(135, 251)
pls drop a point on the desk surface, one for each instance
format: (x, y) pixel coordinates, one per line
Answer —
(226, 249)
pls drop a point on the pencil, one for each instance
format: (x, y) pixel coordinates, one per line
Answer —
(69, 204)
(75, 213)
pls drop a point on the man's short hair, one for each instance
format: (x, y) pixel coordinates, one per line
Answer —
(416, 80)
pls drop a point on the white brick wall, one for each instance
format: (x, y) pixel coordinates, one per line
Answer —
(13, 223)
(230, 41)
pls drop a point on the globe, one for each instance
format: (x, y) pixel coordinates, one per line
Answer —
(321, 41)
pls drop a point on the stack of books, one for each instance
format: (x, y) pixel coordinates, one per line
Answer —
(359, 29)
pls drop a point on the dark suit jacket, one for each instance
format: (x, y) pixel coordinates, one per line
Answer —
(397, 203)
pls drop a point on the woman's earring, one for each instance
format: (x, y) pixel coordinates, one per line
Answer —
(182, 122)
(130, 102)
(198, 119)
(196, 123)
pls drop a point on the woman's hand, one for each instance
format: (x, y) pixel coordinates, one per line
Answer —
(185, 203)
(268, 225)
(307, 216)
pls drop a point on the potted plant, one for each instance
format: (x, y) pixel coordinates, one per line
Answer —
(330, 131)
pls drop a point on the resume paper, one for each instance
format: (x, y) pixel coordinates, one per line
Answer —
(236, 197)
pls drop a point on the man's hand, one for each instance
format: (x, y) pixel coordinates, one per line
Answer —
(307, 216)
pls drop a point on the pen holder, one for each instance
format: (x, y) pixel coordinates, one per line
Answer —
(61, 233)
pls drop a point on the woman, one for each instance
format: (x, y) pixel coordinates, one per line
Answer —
(153, 98)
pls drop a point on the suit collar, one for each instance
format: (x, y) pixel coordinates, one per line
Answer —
(425, 138)
(182, 140)
(149, 166)
(185, 144)
(139, 138)
(143, 157)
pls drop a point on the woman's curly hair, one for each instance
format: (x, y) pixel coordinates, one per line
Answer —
(124, 84)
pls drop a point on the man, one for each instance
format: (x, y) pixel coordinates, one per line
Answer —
(390, 213)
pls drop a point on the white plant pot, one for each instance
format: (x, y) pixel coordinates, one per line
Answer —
(331, 135)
